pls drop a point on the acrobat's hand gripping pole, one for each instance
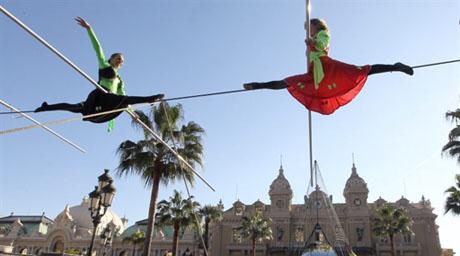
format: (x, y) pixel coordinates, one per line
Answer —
(133, 115)
(41, 125)
(307, 29)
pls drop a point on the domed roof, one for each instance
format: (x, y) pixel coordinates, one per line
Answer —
(134, 228)
(355, 183)
(280, 186)
(166, 231)
(81, 216)
(403, 202)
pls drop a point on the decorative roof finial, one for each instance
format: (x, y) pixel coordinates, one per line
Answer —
(353, 168)
(220, 206)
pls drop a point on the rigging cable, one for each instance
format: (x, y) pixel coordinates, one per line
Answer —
(243, 90)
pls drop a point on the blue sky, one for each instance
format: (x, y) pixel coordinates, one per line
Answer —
(395, 127)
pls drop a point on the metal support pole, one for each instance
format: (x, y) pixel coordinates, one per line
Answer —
(30, 31)
(132, 114)
(41, 125)
(307, 29)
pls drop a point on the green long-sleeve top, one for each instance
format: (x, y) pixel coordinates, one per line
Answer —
(320, 49)
(114, 85)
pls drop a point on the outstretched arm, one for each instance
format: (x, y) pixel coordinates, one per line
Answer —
(96, 45)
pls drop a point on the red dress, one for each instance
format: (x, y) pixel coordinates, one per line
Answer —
(340, 84)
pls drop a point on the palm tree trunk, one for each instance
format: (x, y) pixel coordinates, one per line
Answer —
(175, 238)
(152, 212)
(206, 230)
(392, 245)
(134, 248)
(253, 247)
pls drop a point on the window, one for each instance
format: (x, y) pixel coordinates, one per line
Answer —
(236, 236)
(58, 246)
(239, 211)
(357, 202)
(279, 203)
(299, 234)
(408, 239)
(319, 237)
(318, 203)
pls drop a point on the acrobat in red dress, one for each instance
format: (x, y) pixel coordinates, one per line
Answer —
(335, 86)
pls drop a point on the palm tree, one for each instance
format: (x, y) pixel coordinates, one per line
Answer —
(153, 162)
(210, 213)
(391, 221)
(452, 147)
(453, 200)
(179, 213)
(136, 239)
(256, 228)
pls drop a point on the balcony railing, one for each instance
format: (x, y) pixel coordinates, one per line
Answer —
(398, 246)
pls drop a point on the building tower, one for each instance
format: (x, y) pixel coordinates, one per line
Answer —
(358, 228)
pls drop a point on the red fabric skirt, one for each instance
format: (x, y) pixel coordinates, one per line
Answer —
(341, 83)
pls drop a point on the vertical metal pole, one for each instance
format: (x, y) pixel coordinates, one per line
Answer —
(307, 29)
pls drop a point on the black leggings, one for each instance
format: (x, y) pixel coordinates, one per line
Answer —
(382, 68)
(98, 101)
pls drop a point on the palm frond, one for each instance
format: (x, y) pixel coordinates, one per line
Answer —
(151, 159)
(454, 134)
(452, 203)
(453, 115)
(255, 227)
(389, 221)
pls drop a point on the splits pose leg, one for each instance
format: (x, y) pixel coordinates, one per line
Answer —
(375, 69)
(97, 101)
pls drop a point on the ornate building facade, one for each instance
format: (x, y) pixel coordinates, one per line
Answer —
(292, 224)
(71, 232)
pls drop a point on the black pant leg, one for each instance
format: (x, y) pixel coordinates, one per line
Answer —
(75, 108)
(273, 85)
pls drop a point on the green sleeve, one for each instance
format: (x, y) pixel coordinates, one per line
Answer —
(97, 47)
(322, 40)
(121, 87)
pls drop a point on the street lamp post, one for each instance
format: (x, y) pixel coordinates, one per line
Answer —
(100, 200)
(106, 241)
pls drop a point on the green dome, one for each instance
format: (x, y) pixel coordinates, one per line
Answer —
(167, 231)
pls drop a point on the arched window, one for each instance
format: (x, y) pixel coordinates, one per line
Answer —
(58, 246)
(299, 234)
(23, 251)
